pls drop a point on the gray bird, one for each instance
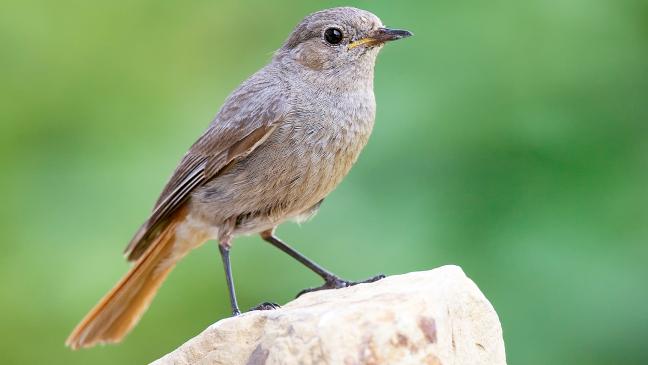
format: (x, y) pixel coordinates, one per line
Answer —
(282, 141)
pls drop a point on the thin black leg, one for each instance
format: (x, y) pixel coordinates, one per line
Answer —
(224, 251)
(325, 274)
(331, 281)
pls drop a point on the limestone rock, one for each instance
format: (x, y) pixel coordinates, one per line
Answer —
(432, 317)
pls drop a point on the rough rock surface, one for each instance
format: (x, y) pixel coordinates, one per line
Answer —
(431, 317)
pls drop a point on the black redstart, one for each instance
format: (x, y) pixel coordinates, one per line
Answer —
(283, 140)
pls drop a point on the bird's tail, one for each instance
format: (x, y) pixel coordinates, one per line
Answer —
(119, 310)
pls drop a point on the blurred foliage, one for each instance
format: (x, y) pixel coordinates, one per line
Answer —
(510, 139)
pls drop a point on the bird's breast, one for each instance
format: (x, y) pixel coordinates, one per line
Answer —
(331, 134)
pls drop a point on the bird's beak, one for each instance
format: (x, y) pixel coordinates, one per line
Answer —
(380, 36)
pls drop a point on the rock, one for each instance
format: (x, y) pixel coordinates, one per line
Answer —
(432, 317)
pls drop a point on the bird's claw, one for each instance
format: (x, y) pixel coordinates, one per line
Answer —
(265, 306)
(334, 282)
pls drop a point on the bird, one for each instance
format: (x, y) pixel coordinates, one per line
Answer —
(281, 142)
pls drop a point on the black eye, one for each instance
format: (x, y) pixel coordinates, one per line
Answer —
(333, 35)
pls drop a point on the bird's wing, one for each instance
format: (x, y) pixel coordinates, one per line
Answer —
(246, 119)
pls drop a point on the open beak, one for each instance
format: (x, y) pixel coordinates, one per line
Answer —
(380, 36)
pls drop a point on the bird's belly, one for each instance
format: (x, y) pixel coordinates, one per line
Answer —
(282, 179)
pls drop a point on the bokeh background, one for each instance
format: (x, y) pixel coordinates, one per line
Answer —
(511, 139)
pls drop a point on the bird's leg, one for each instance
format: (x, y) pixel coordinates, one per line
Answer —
(331, 281)
(224, 248)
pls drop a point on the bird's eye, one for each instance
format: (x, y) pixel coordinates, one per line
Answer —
(333, 35)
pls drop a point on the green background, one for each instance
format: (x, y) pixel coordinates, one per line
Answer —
(511, 139)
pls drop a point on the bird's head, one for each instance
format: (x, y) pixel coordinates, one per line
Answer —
(338, 38)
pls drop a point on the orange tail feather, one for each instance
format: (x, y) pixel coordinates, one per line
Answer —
(119, 310)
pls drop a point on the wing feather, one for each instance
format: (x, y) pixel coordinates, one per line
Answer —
(245, 121)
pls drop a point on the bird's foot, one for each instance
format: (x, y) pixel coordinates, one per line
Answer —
(265, 306)
(333, 282)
